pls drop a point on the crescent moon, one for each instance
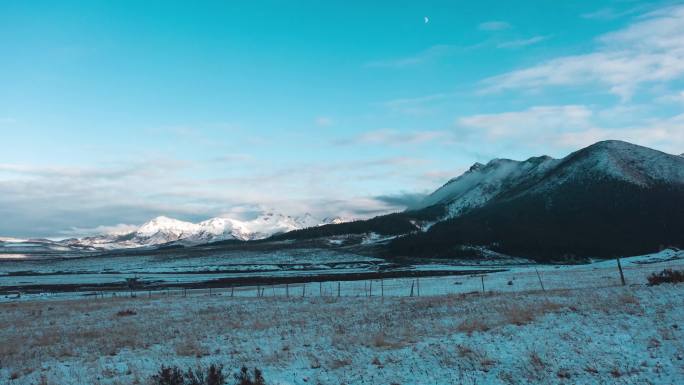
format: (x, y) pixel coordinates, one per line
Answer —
(427, 20)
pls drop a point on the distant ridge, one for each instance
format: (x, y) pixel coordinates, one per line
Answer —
(164, 230)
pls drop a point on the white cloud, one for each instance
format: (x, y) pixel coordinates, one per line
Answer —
(522, 42)
(675, 97)
(534, 121)
(60, 201)
(118, 229)
(571, 127)
(609, 13)
(493, 25)
(421, 105)
(234, 158)
(664, 134)
(650, 50)
(394, 137)
(429, 54)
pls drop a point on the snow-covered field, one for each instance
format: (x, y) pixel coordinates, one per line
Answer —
(584, 329)
(178, 266)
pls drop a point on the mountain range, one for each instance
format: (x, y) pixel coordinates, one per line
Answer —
(164, 230)
(609, 199)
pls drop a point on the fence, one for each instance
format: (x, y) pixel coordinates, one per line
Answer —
(526, 278)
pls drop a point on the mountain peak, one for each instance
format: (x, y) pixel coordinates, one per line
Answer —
(162, 219)
(477, 166)
(499, 178)
(625, 161)
(165, 225)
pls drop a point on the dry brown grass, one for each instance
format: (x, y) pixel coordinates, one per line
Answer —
(475, 358)
(89, 329)
(536, 361)
(471, 325)
(519, 315)
(190, 347)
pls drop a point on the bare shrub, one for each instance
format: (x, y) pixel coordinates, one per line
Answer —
(666, 276)
(174, 376)
(214, 376)
(126, 313)
(168, 376)
(563, 373)
(245, 378)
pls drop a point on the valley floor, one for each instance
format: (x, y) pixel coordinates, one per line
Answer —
(606, 334)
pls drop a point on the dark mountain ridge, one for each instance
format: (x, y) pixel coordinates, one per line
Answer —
(609, 199)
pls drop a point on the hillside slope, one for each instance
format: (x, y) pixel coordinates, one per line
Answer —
(611, 198)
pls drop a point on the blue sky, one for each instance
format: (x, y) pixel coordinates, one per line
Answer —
(114, 112)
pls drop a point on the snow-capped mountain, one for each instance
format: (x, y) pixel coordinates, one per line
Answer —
(481, 183)
(609, 199)
(163, 230)
(607, 160)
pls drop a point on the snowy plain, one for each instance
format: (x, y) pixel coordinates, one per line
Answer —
(584, 328)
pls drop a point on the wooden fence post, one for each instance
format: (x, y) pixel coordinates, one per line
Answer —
(482, 279)
(412, 283)
(320, 289)
(418, 285)
(338, 288)
(382, 287)
(370, 291)
(304, 290)
(540, 280)
(622, 275)
(287, 290)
